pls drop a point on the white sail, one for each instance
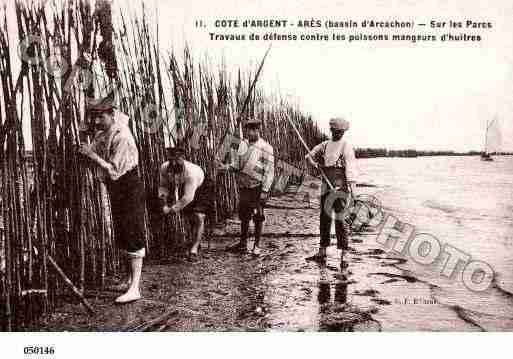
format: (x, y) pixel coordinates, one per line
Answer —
(493, 142)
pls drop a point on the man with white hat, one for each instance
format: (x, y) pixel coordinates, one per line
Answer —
(115, 152)
(336, 159)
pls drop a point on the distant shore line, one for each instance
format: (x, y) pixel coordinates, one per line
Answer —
(382, 152)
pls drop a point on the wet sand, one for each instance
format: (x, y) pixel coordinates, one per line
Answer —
(278, 291)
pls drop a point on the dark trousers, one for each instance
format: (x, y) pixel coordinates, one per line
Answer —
(250, 206)
(326, 218)
(127, 202)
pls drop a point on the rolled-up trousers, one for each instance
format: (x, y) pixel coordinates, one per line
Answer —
(332, 208)
(332, 211)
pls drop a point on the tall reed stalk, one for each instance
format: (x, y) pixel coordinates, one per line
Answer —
(55, 211)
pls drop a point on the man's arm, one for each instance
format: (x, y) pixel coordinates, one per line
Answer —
(235, 158)
(351, 167)
(163, 191)
(310, 157)
(124, 154)
(88, 151)
(268, 169)
(190, 187)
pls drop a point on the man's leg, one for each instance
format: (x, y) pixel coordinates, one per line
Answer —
(258, 219)
(119, 234)
(325, 231)
(325, 221)
(341, 242)
(245, 214)
(198, 228)
(259, 224)
(126, 277)
(242, 244)
(341, 231)
(128, 215)
(244, 230)
(136, 261)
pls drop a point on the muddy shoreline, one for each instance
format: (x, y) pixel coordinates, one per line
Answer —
(278, 291)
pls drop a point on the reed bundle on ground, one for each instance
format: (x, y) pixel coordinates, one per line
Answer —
(55, 213)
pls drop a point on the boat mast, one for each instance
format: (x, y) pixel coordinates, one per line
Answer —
(486, 138)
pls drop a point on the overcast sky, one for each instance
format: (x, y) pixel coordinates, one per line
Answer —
(424, 96)
(396, 95)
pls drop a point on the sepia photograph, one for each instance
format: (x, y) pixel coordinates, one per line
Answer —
(263, 166)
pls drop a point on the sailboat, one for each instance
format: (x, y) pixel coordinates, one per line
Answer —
(493, 139)
(486, 157)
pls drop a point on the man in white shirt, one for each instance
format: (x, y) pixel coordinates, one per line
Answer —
(337, 160)
(115, 153)
(254, 164)
(193, 193)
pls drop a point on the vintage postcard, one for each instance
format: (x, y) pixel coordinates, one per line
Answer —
(241, 166)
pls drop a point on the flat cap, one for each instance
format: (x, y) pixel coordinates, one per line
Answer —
(100, 105)
(175, 151)
(252, 122)
(339, 123)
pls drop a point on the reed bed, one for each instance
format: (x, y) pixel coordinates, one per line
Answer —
(56, 237)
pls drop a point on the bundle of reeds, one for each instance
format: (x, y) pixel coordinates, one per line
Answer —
(51, 207)
(56, 218)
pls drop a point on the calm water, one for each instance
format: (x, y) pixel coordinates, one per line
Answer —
(464, 202)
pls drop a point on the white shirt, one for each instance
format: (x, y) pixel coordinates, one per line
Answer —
(116, 146)
(191, 178)
(255, 164)
(337, 154)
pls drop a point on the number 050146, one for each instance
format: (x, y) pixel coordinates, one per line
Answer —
(39, 350)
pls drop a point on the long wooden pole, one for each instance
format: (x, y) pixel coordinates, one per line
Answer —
(70, 284)
(324, 177)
